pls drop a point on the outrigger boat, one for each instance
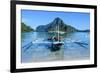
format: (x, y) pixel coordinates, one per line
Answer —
(53, 43)
(56, 43)
(56, 40)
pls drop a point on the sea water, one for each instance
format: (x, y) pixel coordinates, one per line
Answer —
(36, 48)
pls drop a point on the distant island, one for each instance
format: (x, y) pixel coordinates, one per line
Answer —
(25, 28)
(58, 24)
(84, 30)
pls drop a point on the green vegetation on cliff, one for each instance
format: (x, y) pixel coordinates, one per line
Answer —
(25, 28)
(55, 25)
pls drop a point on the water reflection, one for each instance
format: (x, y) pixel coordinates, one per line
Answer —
(36, 47)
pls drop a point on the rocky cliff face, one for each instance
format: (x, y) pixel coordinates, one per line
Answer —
(56, 24)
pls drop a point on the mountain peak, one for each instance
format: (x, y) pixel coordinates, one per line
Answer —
(58, 20)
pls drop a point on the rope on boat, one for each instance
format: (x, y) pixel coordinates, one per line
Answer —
(81, 44)
(27, 46)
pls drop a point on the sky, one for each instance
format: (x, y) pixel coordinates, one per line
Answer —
(35, 18)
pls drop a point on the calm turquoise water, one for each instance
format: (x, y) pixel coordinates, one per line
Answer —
(36, 47)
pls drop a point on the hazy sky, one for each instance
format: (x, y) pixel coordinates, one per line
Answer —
(35, 18)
